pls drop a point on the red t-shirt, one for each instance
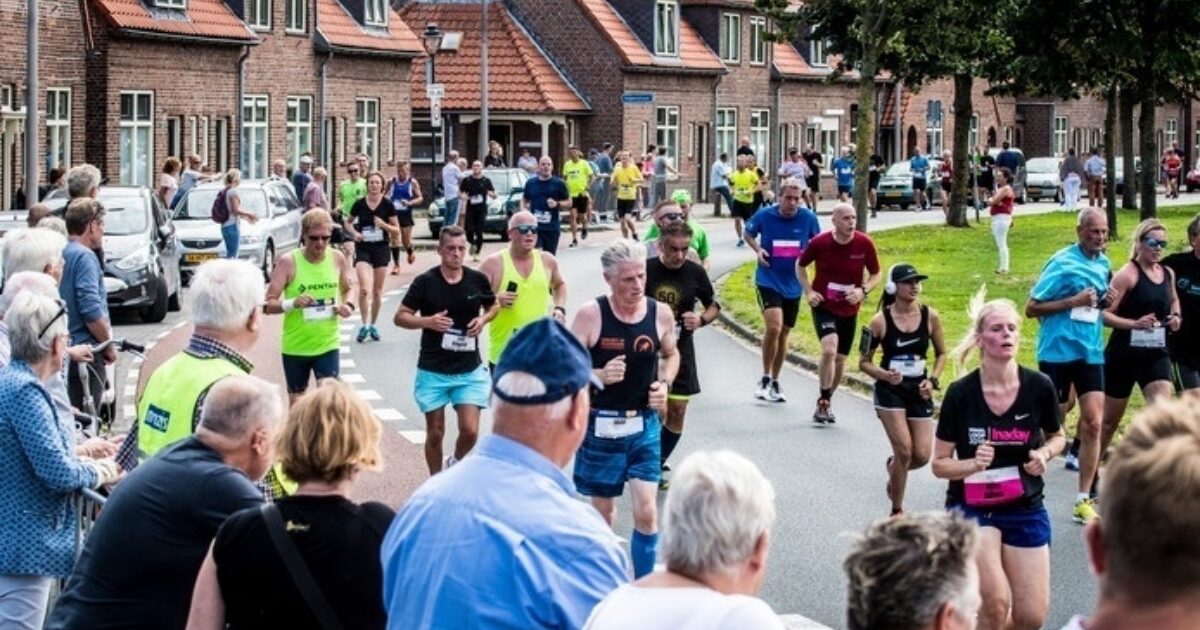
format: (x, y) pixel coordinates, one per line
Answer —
(839, 265)
(946, 171)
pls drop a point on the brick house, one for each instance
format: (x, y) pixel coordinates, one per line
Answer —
(1050, 126)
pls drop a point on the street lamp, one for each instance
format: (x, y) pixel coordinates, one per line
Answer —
(432, 39)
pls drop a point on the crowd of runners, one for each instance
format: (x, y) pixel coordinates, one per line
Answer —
(496, 538)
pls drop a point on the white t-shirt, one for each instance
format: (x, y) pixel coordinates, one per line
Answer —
(671, 608)
(451, 176)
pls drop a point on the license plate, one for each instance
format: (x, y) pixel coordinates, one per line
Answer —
(890, 194)
(199, 258)
(1035, 191)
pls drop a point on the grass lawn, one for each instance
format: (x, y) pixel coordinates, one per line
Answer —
(957, 262)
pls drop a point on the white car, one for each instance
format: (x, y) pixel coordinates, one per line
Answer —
(1041, 179)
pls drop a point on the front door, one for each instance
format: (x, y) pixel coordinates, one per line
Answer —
(502, 133)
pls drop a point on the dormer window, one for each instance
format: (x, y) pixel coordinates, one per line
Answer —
(376, 12)
(666, 28)
(171, 4)
(817, 55)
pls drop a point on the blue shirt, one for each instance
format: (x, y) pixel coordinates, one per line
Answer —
(537, 192)
(784, 239)
(1063, 337)
(604, 164)
(1008, 159)
(300, 182)
(498, 541)
(919, 166)
(843, 167)
(82, 288)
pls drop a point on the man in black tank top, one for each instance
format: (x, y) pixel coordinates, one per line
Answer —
(631, 339)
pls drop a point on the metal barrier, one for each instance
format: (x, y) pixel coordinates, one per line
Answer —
(87, 505)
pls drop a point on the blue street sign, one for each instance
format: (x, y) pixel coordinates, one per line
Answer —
(637, 98)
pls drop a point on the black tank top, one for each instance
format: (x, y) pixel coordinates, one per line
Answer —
(1145, 297)
(905, 346)
(639, 343)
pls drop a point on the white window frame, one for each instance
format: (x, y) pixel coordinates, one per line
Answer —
(375, 12)
(222, 143)
(258, 14)
(341, 145)
(1172, 134)
(366, 128)
(255, 165)
(295, 16)
(202, 146)
(174, 132)
(171, 4)
(691, 146)
(730, 46)
(666, 130)
(58, 125)
(391, 142)
(139, 133)
(193, 132)
(935, 139)
(6, 97)
(666, 28)
(973, 133)
(727, 129)
(812, 135)
(1059, 137)
(299, 134)
(830, 139)
(817, 55)
(758, 40)
(760, 134)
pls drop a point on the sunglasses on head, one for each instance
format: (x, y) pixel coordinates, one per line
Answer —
(1154, 243)
(525, 229)
(62, 312)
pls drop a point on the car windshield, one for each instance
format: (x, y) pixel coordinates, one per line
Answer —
(501, 181)
(1042, 165)
(125, 215)
(898, 169)
(199, 201)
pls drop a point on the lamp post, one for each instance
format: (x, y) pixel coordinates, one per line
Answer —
(432, 38)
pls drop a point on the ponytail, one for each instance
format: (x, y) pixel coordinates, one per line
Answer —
(978, 310)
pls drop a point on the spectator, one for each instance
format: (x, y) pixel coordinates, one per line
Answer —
(914, 571)
(168, 184)
(330, 435)
(82, 289)
(303, 175)
(604, 169)
(33, 249)
(452, 174)
(499, 540)
(495, 156)
(140, 561)
(279, 169)
(314, 193)
(230, 229)
(662, 170)
(1008, 158)
(55, 224)
(1095, 169)
(32, 281)
(744, 147)
(55, 180)
(716, 536)
(83, 181)
(718, 182)
(41, 469)
(527, 161)
(37, 212)
(1071, 174)
(190, 177)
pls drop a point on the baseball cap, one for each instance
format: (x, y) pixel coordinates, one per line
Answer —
(306, 159)
(547, 350)
(905, 272)
(681, 196)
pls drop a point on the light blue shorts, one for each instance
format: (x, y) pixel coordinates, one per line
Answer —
(433, 390)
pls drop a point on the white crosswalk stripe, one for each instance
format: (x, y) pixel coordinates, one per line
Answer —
(388, 414)
(416, 437)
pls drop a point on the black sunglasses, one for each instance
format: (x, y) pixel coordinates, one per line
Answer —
(525, 229)
(318, 237)
(62, 312)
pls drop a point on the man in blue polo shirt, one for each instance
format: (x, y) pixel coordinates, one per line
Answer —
(1068, 299)
(778, 235)
(545, 196)
(919, 166)
(843, 169)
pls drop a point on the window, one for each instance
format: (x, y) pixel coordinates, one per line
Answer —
(1077, 140)
(58, 128)
(171, 4)
(136, 138)
(6, 97)
(810, 136)
(666, 133)
(202, 142)
(299, 128)
(366, 128)
(254, 137)
(1060, 135)
(295, 16)
(426, 140)
(666, 28)
(258, 14)
(691, 147)
(376, 12)
(193, 135)
(973, 133)
(731, 37)
(760, 134)
(222, 144)
(391, 141)
(1172, 133)
(727, 131)
(758, 40)
(830, 139)
(175, 136)
(817, 56)
(1096, 142)
(933, 128)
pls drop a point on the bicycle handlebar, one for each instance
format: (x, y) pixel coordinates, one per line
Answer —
(122, 345)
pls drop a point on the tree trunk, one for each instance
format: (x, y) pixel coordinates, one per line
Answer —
(1110, 157)
(1128, 196)
(956, 214)
(1149, 152)
(864, 141)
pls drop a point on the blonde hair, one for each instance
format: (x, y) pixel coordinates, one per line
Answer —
(314, 218)
(1140, 232)
(330, 434)
(232, 175)
(979, 309)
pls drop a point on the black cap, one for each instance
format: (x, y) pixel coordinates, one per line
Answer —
(905, 272)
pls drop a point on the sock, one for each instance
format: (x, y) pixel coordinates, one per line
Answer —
(670, 440)
(765, 380)
(1080, 496)
(826, 394)
(643, 550)
(395, 256)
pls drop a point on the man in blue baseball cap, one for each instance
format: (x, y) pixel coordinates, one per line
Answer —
(499, 539)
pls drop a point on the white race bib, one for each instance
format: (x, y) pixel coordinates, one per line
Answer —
(318, 312)
(543, 216)
(456, 341)
(1085, 314)
(372, 235)
(398, 204)
(618, 424)
(993, 487)
(1148, 338)
(911, 367)
(475, 200)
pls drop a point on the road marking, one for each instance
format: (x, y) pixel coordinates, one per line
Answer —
(137, 360)
(131, 376)
(353, 378)
(130, 411)
(387, 414)
(800, 622)
(163, 334)
(347, 363)
(344, 350)
(346, 326)
(131, 389)
(344, 337)
(416, 437)
(368, 394)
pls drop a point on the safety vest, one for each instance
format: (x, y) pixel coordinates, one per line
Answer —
(168, 403)
(532, 303)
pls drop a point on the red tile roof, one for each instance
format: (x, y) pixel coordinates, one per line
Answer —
(205, 18)
(341, 30)
(790, 63)
(693, 53)
(888, 115)
(520, 77)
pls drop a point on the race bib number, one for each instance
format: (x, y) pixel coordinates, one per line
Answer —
(611, 425)
(625, 189)
(744, 191)
(457, 341)
(372, 235)
(476, 200)
(543, 216)
(1148, 338)
(908, 367)
(993, 487)
(1085, 314)
(785, 249)
(319, 312)
(837, 292)
(399, 205)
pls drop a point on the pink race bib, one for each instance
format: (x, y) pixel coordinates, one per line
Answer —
(993, 487)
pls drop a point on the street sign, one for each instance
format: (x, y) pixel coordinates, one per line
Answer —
(637, 98)
(435, 91)
(435, 112)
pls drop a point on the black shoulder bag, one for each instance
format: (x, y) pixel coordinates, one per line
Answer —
(301, 576)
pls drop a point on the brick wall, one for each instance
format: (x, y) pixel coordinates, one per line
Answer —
(387, 80)
(803, 100)
(996, 114)
(1037, 127)
(693, 96)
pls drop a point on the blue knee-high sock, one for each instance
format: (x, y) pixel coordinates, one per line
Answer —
(643, 549)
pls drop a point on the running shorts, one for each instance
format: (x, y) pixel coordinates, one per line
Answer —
(1122, 371)
(687, 379)
(405, 218)
(918, 183)
(433, 390)
(603, 465)
(1027, 528)
(1083, 376)
(743, 210)
(873, 180)
(375, 254)
(580, 203)
(827, 323)
(297, 369)
(1185, 377)
(845, 190)
(903, 397)
(814, 183)
(770, 298)
(626, 206)
(946, 186)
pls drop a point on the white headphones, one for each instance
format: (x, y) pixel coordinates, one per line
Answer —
(890, 287)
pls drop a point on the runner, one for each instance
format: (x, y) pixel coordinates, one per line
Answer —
(904, 329)
(918, 165)
(843, 170)
(1185, 344)
(545, 196)
(1070, 344)
(841, 255)
(875, 170)
(474, 193)
(633, 347)
(745, 183)
(450, 304)
(405, 195)
(526, 283)
(1000, 207)
(815, 162)
(674, 280)
(627, 177)
(946, 180)
(681, 202)
(995, 463)
(370, 222)
(349, 191)
(778, 235)
(579, 176)
(311, 287)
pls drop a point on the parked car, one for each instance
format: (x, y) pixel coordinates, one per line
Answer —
(509, 184)
(1137, 164)
(895, 187)
(1042, 180)
(1192, 180)
(276, 233)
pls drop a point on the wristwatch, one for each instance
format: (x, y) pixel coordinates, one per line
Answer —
(933, 380)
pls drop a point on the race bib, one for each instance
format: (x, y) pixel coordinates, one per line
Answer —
(372, 235)
(993, 487)
(611, 425)
(908, 367)
(785, 249)
(475, 200)
(1148, 338)
(319, 312)
(543, 216)
(456, 341)
(837, 292)
(398, 204)
(1085, 314)
(625, 189)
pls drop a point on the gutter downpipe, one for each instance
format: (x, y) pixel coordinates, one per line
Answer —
(241, 97)
(326, 138)
(713, 139)
(898, 131)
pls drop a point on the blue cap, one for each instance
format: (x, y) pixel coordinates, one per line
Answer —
(548, 351)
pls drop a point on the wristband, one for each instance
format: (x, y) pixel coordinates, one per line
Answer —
(288, 305)
(933, 380)
(561, 309)
(351, 305)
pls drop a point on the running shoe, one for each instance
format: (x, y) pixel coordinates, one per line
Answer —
(412, 257)
(584, 236)
(374, 333)
(396, 270)
(764, 384)
(1085, 511)
(821, 415)
(448, 462)
(574, 244)
(474, 257)
(741, 242)
(1071, 461)
(363, 331)
(773, 394)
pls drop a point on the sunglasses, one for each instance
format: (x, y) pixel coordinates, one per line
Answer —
(318, 237)
(1154, 243)
(353, 171)
(525, 229)
(673, 216)
(62, 312)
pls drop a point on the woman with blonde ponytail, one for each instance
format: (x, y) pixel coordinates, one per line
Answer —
(999, 426)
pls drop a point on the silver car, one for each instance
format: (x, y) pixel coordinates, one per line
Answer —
(276, 233)
(1041, 179)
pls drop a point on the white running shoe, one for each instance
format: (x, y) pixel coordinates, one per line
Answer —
(764, 386)
(773, 394)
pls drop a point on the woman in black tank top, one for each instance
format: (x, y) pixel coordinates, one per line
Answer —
(904, 329)
(1144, 313)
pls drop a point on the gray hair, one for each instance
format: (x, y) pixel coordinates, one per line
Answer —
(320, 173)
(240, 404)
(26, 281)
(904, 569)
(32, 249)
(82, 180)
(622, 251)
(1082, 218)
(29, 314)
(717, 509)
(224, 293)
(792, 183)
(54, 223)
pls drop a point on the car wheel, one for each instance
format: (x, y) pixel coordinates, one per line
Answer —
(1058, 196)
(1190, 188)
(268, 265)
(173, 304)
(1024, 198)
(904, 206)
(157, 312)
